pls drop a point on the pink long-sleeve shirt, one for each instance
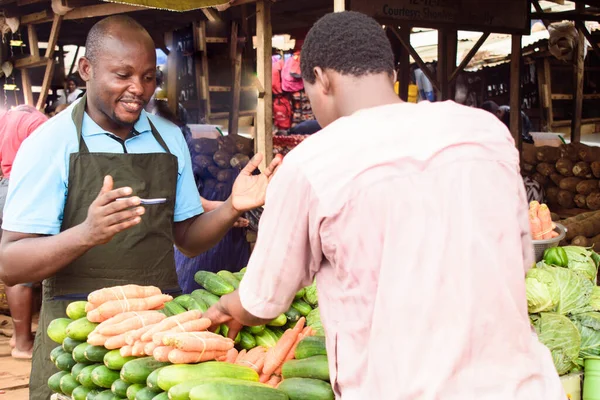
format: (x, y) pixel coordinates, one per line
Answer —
(413, 218)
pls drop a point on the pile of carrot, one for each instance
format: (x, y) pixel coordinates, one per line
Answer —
(540, 222)
(106, 303)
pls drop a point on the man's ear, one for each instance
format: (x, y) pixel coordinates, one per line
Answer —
(322, 80)
(394, 76)
(85, 69)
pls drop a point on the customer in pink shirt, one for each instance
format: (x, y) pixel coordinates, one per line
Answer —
(413, 218)
(15, 126)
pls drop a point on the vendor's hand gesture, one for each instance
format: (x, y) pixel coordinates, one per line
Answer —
(107, 217)
(249, 190)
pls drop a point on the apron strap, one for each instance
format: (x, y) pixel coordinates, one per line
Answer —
(159, 138)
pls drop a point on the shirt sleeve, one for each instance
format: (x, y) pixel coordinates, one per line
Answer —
(288, 251)
(187, 200)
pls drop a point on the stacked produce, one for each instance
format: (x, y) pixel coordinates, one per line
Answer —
(540, 222)
(133, 342)
(564, 303)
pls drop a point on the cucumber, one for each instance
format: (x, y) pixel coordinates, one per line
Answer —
(303, 307)
(69, 344)
(85, 377)
(145, 394)
(95, 353)
(137, 371)
(57, 329)
(161, 396)
(255, 330)
(293, 315)
(77, 368)
(315, 367)
(152, 381)
(239, 275)
(225, 332)
(92, 394)
(68, 384)
(233, 389)
(173, 308)
(133, 389)
(189, 303)
(80, 393)
(119, 388)
(176, 374)
(281, 320)
(300, 294)
(115, 361)
(247, 341)
(80, 329)
(243, 270)
(65, 362)
(104, 377)
(204, 295)
(57, 351)
(79, 353)
(266, 339)
(278, 332)
(305, 388)
(76, 310)
(54, 381)
(229, 278)
(105, 395)
(182, 390)
(310, 346)
(213, 283)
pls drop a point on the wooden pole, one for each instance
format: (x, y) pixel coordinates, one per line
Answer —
(172, 72)
(50, 64)
(442, 66)
(34, 50)
(236, 86)
(548, 92)
(72, 67)
(469, 56)
(264, 112)
(27, 93)
(515, 91)
(578, 72)
(339, 5)
(451, 54)
(404, 65)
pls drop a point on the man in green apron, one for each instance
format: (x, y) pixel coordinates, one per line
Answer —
(74, 215)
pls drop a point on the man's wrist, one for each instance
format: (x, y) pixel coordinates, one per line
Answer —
(231, 210)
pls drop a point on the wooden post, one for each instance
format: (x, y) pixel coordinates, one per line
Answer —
(34, 50)
(451, 51)
(578, 73)
(264, 112)
(515, 91)
(236, 86)
(72, 67)
(201, 68)
(548, 92)
(26, 82)
(442, 66)
(339, 5)
(171, 72)
(50, 63)
(404, 77)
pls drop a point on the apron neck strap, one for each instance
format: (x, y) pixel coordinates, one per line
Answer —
(77, 116)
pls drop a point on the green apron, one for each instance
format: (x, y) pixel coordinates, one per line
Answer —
(141, 255)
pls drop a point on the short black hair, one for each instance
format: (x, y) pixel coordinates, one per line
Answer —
(102, 28)
(349, 43)
(490, 106)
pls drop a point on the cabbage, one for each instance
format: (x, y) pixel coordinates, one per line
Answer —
(542, 290)
(562, 338)
(574, 291)
(595, 298)
(588, 325)
(581, 261)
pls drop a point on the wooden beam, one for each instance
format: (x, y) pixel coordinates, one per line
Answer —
(578, 73)
(582, 28)
(451, 56)
(264, 111)
(548, 90)
(236, 86)
(26, 83)
(30, 62)
(404, 58)
(339, 5)
(53, 39)
(37, 18)
(101, 10)
(171, 73)
(469, 56)
(72, 67)
(46, 84)
(515, 91)
(416, 57)
(541, 80)
(201, 58)
(34, 49)
(442, 66)
(565, 15)
(212, 15)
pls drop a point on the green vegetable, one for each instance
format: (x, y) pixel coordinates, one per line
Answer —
(314, 317)
(80, 329)
(68, 384)
(239, 275)
(255, 330)
(574, 290)
(233, 389)
(119, 388)
(95, 353)
(105, 395)
(595, 298)
(54, 381)
(310, 346)
(133, 389)
(69, 344)
(580, 260)
(176, 374)
(80, 393)
(161, 396)
(76, 310)
(266, 339)
(172, 308)
(152, 381)
(189, 303)
(315, 367)
(65, 362)
(561, 337)
(310, 295)
(247, 340)
(281, 320)
(85, 376)
(225, 333)
(206, 296)
(306, 388)
(229, 278)
(213, 283)
(556, 256)
(115, 361)
(293, 315)
(77, 368)
(588, 325)
(542, 290)
(137, 371)
(303, 307)
(57, 329)
(57, 351)
(104, 377)
(145, 394)
(79, 353)
(93, 394)
(300, 294)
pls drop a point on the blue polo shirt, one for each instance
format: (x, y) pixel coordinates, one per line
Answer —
(39, 179)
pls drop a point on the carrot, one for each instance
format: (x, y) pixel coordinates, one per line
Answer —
(276, 357)
(114, 307)
(115, 320)
(291, 354)
(138, 349)
(222, 358)
(96, 339)
(89, 307)
(116, 342)
(126, 351)
(231, 356)
(140, 320)
(161, 353)
(308, 331)
(546, 221)
(149, 348)
(274, 381)
(190, 357)
(534, 222)
(264, 378)
(260, 363)
(172, 322)
(240, 356)
(198, 341)
(122, 292)
(136, 335)
(198, 325)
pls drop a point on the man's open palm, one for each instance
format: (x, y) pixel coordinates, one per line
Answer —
(249, 190)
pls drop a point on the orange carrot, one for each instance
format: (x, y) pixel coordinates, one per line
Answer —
(276, 357)
(140, 320)
(116, 342)
(89, 307)
(534, 222)
(172, 322)
(222, 358)
(198, 341)
(114, 307)
(190, 357)
(197, 325)
(274, 381)
(161, 353)
(114, 320)
(264, 378)
(240, 356)
(126, 351)
(546, 221)
(96, 339)
(231, 356)
(136, 335)
(122, 292)
(137, 349)
(149, 348)
(291, 354)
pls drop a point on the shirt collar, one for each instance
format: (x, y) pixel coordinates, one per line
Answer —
(91, 128)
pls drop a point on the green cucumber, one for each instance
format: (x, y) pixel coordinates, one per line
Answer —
(104, 377)
(266, 339)
(65, 362)
(311, 346)
(229, 278)
(85, 377)
(281, 320)
(213, 283)
(145, 394)
(225, 332)
(105, 395)
(305, 388)
(133, 389)
(69, 344)
(119, 388)
(315, 367)
(233, 389)
(207, 297)
(176, 374)
(68, 384)
(57, 351)
(189, 303)
(278, 332)
(239, 275)
(256, 330)
(79, 353)
(115, 361)
(137, 371)
(293, 315)
(80, 393)
(57, 329)
(95, 353)
(76, 310)
(303, 307)
(173, 308)
(92, 394)
(161, 396)
(300, 294)
(77, 368)
(243, 270)
(54, 381)
(80, 329)
(247, 340)
(152, 381)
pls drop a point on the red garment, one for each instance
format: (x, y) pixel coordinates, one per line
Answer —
(15, 126)
(276, 75)
(288, 82)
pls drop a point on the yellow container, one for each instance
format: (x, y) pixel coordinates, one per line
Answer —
(572, 385)
(413, 93)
